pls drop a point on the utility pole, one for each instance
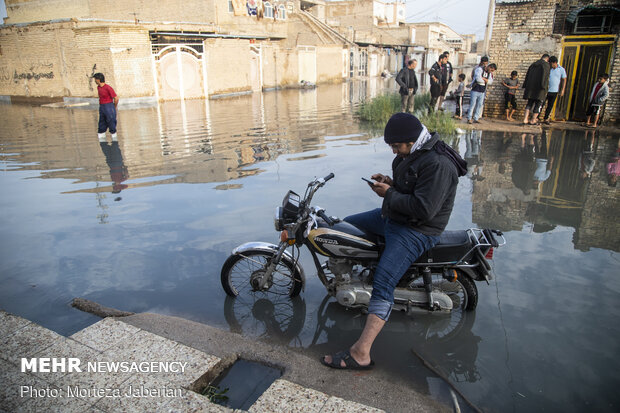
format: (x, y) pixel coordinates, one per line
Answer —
(489, 28)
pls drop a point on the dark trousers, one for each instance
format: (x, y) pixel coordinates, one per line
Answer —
(509, 100)
(435, 93)
(459, 106)
(534, 105)
(551, 97)
(407, 103)
(107, 118)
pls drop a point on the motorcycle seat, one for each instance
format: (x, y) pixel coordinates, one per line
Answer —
(452, 246)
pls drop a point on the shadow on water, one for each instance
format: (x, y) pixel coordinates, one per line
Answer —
(145, 225)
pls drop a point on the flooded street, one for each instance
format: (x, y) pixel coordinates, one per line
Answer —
(146, 225)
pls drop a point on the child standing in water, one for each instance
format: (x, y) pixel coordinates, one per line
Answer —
(108, 101)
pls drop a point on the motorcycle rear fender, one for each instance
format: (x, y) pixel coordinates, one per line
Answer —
(272, 248)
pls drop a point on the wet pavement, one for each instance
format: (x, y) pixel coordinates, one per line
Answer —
(145, 225)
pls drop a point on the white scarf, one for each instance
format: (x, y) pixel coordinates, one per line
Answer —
(424, 137)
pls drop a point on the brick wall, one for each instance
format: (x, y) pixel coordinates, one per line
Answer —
(612, 108)
(59, 59)
(522, 32)
(20, 11)
(176, 13)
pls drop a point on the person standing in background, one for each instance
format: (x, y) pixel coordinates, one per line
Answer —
(436, 78)
(536, 84)
(460, 92)
(108, 102)
(557, 83)
(511, 84)
(408, 82)
(482, 78)
(446, 79)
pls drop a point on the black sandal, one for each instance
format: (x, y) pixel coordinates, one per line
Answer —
(349, 362)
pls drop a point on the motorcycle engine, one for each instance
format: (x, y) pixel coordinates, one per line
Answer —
(351, 287)
(341, 268)
(354, 294)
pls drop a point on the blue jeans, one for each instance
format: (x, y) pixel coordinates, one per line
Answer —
(476, 101)
(403, 246)
(107, 118)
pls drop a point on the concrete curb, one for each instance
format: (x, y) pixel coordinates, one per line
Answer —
(305, 386)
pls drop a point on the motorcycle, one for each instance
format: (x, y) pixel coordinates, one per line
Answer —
(440, 281)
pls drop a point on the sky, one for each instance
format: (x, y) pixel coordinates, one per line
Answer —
(463, 16)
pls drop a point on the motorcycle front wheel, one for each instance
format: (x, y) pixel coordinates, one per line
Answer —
(239, 271)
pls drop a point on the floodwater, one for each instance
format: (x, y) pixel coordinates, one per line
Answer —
(146, 225)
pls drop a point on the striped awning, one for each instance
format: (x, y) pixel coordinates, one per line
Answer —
(572, 16)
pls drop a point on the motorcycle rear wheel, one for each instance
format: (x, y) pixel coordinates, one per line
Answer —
(238, 270)
(469, 301)
(463, 292)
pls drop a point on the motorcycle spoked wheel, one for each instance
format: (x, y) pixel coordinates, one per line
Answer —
(239, 270)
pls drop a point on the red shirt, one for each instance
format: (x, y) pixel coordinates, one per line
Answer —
(106, 94)
(598, 87)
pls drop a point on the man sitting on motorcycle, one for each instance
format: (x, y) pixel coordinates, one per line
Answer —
(417, 204)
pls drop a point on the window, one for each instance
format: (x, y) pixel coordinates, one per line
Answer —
(268, 9)
(593, 24)
(281, 12)
(231, 9)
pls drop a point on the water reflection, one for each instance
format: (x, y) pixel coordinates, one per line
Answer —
(118, 170)
(546, 180)
(553, 194)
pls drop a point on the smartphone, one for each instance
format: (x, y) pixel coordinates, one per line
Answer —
(371, 183)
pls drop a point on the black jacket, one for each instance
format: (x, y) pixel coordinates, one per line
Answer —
(536, 81)
(423, 190)
(435, 71)
(407, 79)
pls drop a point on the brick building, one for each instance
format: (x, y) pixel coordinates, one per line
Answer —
(582, 34)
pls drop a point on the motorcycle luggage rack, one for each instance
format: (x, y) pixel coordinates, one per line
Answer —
(480, 240)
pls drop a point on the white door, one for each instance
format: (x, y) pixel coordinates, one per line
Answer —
(307, 63)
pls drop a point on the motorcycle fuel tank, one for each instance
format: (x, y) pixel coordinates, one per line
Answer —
(335, 242)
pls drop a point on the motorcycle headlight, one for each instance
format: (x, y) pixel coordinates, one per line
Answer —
(278, 220)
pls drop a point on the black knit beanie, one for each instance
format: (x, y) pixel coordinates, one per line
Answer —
(402, 127)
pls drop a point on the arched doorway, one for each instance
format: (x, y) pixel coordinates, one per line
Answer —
(181, 73)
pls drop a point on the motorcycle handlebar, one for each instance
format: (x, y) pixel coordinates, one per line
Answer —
(325, 218)
(328, 177)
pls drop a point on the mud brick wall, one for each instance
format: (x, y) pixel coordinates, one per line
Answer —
(24, 11)
(522, 32)
(59, 59)
(612, 108)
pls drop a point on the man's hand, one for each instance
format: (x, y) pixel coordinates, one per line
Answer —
(382, 179)
(380, 188)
